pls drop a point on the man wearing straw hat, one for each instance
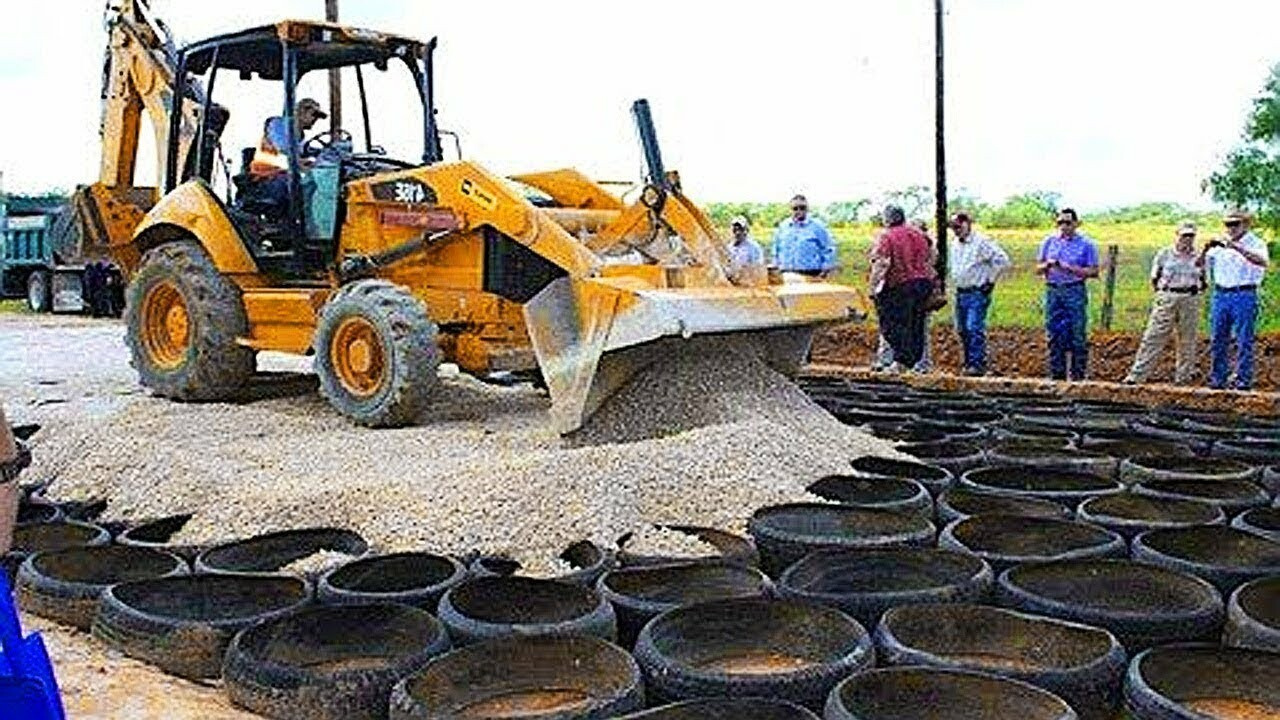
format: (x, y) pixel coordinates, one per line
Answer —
(1236, 263)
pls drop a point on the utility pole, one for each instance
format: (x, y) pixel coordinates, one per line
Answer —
(335, 76)
(940, 181)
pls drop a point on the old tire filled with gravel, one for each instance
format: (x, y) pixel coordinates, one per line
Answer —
(866, 583)
(959, 503)
(725, 709)
(330, 662)
(1253, 616)
(729, 548)
(157, 534)
(639, 594)
(484, 608)
(1246, 450)
(892, 494)
(1066, 487)
(1261, 521)
(411, 578)
(925, 693)
(588, 560)
(1158, 467)
(954, 457)
(934, 478)
(183, 317)
(183, 624)
(786, 533)
(1130, 515)
(1192, 682)
(271, 552)
(1233, 496)
(1141, 604)
(1225, 556)
(1008, 540)
(65, 585)
(376, 353)
(780, 649)
(1122, 444)
(568, 677)
(1081, 664)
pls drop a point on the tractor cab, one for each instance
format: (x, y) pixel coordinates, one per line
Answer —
(287, 201)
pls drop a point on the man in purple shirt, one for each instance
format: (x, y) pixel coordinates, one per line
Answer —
(1066, 260)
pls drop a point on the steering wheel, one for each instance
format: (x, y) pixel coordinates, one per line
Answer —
(324, 140)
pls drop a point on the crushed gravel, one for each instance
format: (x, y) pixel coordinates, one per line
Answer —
(661, 542)
(317, 563)
(700, 438)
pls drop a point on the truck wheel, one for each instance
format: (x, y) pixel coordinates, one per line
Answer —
(39, 291)
(376, 353)
(182, 318)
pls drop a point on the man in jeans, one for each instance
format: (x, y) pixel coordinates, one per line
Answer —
(902, 277)
(1067, 258)
(1177, 276)
(976, 262)
(1236, 265)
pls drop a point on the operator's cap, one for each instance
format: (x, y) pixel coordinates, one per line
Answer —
(1187, 228)
(309, 103)
(740, 220)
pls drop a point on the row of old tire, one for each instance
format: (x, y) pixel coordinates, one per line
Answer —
(952, 428)
(700, 628)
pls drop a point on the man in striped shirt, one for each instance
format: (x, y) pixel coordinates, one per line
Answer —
(976, 262)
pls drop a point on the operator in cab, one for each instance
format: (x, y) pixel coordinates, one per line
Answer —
(270, 167)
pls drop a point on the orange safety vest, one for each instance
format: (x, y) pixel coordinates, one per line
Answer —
(268, 160)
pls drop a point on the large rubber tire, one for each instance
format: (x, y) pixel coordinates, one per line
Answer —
(206, 364)
(65, 585)
(39, 291)
(400, 370)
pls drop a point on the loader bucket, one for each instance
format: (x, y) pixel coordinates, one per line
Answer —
(592, 335)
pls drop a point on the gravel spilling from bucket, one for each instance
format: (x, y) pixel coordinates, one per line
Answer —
(487, 473)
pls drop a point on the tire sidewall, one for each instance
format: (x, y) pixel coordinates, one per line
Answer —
(344, 309)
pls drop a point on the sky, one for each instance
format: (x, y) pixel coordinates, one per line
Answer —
(1107, 102)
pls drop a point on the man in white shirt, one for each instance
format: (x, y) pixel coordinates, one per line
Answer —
(975, 262)
(1236, 265)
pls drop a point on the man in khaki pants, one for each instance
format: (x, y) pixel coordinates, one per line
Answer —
(1177, 275)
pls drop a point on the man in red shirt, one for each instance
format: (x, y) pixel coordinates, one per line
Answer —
(902, 277)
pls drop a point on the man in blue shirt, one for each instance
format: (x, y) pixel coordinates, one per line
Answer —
(1066, 260)
(802, 244)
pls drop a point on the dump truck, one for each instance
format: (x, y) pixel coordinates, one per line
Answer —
(381, 264)
(42, 261)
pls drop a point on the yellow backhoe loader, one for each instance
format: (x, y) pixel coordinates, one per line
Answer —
(383, 266)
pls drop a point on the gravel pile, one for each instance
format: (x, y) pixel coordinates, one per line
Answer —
(660, 542)
(699, 439)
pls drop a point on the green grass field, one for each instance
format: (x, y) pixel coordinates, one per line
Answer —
(1019, 298)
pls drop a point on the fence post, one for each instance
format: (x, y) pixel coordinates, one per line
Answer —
(1109, 288)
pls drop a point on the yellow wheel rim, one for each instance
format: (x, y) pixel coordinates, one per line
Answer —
(166, 325)
(356, 356)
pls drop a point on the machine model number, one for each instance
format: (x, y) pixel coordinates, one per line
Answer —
(408, 191)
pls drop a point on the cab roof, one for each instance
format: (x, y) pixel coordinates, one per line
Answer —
(319, 45)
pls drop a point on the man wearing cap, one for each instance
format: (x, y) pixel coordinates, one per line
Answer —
(1177, 276)
(1067, 259)
(270, 165)
(801, 244)
(743, 250)
(976, 262)
(1236, 265)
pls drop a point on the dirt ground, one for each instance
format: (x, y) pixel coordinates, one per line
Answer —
(1021, 352)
